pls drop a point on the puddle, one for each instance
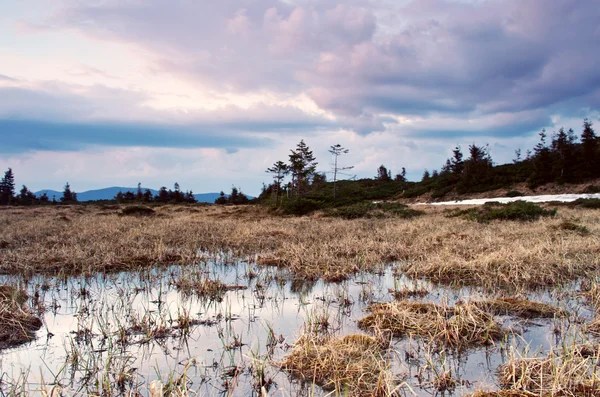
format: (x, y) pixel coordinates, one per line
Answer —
(122, 331)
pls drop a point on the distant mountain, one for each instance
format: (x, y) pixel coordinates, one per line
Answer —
(110, 192)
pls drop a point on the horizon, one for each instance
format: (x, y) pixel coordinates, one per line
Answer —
(211, 95)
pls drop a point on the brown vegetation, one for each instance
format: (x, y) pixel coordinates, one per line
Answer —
(570, 373)
(443, 250)
(456, 327)
(352, 365)
(519, 307)
(17, 323)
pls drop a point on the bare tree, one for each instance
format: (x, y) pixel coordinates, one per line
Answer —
(337, 151)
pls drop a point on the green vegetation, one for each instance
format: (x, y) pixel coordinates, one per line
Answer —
(560, 159)
(516, 211)
(372, 210)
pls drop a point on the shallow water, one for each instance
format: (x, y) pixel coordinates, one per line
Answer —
(87, 343)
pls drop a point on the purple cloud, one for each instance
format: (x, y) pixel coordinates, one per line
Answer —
(369, 58)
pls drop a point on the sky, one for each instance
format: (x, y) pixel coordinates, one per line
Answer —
(210, 94)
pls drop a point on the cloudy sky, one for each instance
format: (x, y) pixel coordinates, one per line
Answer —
(211, 93)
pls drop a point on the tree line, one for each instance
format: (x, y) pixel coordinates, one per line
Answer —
(563, 157)
(176, 195)
(8, 195)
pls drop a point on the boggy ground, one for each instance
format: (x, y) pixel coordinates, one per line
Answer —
(501, 259)
(510, 255)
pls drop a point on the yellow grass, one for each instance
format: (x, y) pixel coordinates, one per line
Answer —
(446, 250)
(458, 327)
(17, 323)
(352, 365)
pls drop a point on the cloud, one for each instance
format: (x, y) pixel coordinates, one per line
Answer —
(37, 135)
(365, 58)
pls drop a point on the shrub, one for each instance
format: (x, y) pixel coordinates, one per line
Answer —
(591, 189)
(592, 203)
(415, 191)
(516, 211)
(137, 210)
(514, 193)
(437, 193)
(372, 210)
(300, 206)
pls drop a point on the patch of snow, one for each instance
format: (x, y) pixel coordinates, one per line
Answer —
(565, 198)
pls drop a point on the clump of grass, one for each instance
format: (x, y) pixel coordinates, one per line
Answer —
(571, 226)
(372, 210)
(458, 327)
(570, 373)
(17, 323)
(405, 293)
(515, 211)
(352, 365)
(137, 210)
(519, 307)
(204, 287)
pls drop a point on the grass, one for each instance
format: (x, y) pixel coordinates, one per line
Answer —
(519, 307)
(351, 365)
(17, 323)
(445, 250)
(570, 372)
(459, 327)
(204, 287)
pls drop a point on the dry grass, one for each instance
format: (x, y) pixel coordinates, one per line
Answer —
(17, 323)
(519, 307)
(444, 250)
(573, 372)
(205, 287)
(457, 327)
(353, 365)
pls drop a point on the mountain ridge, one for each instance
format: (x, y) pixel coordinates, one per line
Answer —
(109, 193)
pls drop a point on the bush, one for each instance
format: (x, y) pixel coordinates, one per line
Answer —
(137, 210)
(415, 191)
(514, 193)
(517, 211)
(592, 203)
(441, 192)
(372, 210)
(300, 206)
(591, 189)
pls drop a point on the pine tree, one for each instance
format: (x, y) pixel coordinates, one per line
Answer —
(542, 162)
(591, 151)
(383, 174)
(139, 196)
(425, 176)
(68, 195)
(7, 188)
(221, 200)
(302, 166)
(279, 171)
(457, 163)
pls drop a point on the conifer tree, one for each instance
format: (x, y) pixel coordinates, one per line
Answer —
(68, 195)
(591, 150)
(7, 188)
(279, 171)
(302, 166)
